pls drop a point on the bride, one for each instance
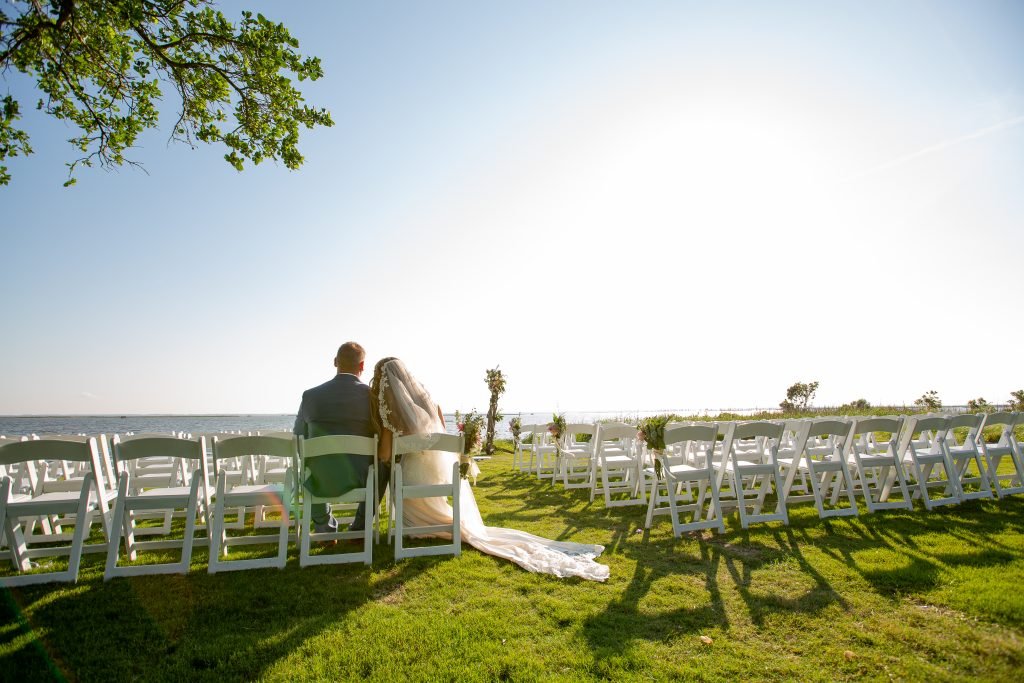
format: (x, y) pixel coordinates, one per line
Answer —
(399, 406)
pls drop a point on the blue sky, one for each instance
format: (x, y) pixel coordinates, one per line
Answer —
(625, 205)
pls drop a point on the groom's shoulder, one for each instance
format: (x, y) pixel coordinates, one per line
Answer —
(339, 384)
(318, 389)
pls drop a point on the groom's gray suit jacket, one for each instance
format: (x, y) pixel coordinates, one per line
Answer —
(339, 406)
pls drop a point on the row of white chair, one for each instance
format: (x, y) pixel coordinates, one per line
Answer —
(708, 469)
(124, 480)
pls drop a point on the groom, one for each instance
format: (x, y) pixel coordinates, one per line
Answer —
(339, 406)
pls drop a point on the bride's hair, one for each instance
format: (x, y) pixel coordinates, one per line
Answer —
(375, 393)
(398, 402)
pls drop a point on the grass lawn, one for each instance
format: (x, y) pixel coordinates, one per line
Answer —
(889, 596)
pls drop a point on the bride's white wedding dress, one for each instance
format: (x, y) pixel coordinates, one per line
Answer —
(403, 400)
(530, 552)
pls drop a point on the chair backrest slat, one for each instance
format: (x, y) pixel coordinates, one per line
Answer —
(338, 444)
(762, 428)
(284, 446)
(414, 443)
(608, 433)
(831, 427)
(697, 432)
(134, 447)
(73, 449)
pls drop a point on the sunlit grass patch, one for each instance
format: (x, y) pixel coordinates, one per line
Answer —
(914, 595)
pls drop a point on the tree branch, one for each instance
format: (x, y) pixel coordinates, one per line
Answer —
(187, 65)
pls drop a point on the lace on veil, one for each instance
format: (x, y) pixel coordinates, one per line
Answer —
(405, 405)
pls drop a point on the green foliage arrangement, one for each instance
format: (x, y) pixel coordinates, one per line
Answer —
(557, 425)
(929, 400)
(496, 385)
(799, 396)
(651, 430)
(101, 66)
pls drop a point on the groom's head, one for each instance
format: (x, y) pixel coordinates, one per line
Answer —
(350, 358)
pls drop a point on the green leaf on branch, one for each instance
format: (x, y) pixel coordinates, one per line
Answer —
(101, 66)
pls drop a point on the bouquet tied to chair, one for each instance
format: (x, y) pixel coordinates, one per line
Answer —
(651, 430)
(557, 428)
(470, 426)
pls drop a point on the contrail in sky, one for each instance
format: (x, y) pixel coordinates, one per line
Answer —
(898, 161)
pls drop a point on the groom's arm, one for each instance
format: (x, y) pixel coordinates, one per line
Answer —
(300, 417)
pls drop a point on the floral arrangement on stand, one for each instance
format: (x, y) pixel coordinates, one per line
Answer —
(651, 430)
(496, 385)
(470, 426)
(515, 426)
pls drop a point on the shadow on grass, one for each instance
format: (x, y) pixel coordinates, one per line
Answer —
(229, 626)
(611, 632)
(759, 606)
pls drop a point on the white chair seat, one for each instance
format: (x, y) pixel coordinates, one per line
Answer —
(876, 460)
(54, 497)
(700, 472)
(56, 502)
(251, 489)
(747, 467)
(168, 492)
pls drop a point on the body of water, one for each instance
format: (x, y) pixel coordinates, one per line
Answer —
(48, 425)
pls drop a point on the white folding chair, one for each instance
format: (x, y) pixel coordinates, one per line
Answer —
(822, 460)
(794, 440)
(1006, 483)
(339, 446)
(19, 480)
(876, 463)
(750, 454)
(403, 448)
(575, 458)
(617, 469)
(168, 498)
(924, 454)
(55, 475)
(148, 472)
(74, 504)
(667, 496)
(243, 496)
(963, 454)
(522, 452)
(269, 469)
(545, 453)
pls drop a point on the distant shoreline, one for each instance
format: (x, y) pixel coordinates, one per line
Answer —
(120, 415)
